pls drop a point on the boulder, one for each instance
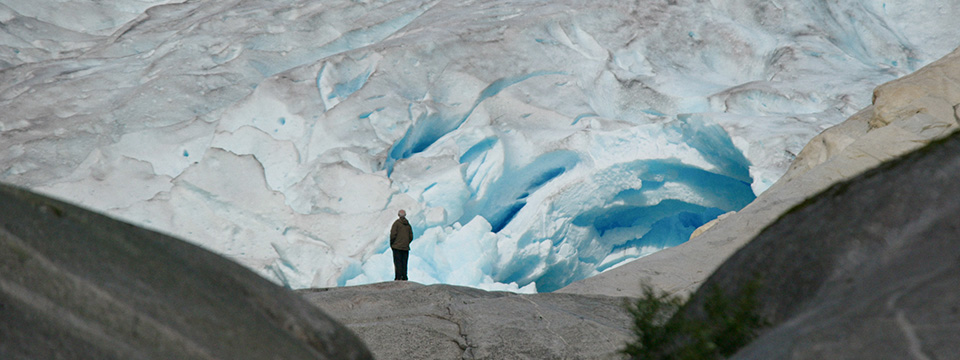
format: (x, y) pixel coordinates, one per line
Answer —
(78, 285)
(406, 320)
(868, 269)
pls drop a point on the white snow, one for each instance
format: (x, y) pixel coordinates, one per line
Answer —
(531, 143)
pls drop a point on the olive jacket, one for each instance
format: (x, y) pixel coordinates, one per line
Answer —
(401, 234)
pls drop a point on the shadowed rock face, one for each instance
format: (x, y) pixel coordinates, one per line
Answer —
(78, 285)
(868, 269)
(405, 320)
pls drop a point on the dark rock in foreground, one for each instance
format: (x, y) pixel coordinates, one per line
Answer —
(78, 285)
(406, 320)
(869, 269)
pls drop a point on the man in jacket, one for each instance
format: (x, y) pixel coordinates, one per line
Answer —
(401, 234)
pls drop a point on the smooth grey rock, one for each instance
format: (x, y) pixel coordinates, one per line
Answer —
(406, 320)
(868, 269)
(78, 285)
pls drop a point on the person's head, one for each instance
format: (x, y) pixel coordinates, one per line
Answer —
(402, 213)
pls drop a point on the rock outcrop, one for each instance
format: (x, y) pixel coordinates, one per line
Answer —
(868, 269)
(405, 320)
(907, 114)
(78, 285)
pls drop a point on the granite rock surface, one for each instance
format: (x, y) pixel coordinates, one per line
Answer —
(407, 320)
(868, 269)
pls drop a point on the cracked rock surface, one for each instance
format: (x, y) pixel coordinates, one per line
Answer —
(407, 320)
(868, 269)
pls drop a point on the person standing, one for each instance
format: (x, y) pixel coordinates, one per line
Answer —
(401, 235)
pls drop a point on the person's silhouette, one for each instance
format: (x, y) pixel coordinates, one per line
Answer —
(401, 235)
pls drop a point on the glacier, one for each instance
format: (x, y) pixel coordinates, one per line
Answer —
(531, 143)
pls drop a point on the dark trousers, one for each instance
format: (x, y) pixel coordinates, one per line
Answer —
(400, 263)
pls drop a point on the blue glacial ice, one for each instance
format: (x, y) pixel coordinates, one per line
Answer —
(558, 217)
(532, 143)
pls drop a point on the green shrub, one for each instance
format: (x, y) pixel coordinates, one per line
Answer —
(663, 332)
(651, 314)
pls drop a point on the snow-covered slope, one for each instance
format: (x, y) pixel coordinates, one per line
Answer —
(533, 143)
